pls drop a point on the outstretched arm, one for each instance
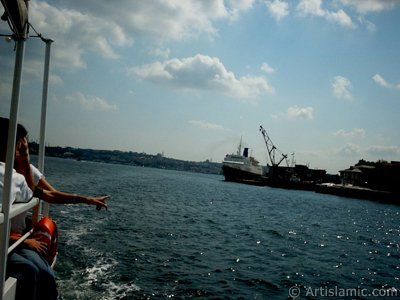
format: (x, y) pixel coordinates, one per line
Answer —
(58, 197)
(44, 190)
(52, 195)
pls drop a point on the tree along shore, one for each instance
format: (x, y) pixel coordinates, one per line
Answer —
(129, 158)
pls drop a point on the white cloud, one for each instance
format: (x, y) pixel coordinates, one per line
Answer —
(267, 68)
(340, 17)
(155, 72)
(381, 81)
(164, 53)
(314, 7)
(350, 150)
(278, 9)
(165, 20)
(90, 102)
(369, 6)
(341, 87)
(356, 132)
(334, 11)
(373, 152)
(295, 112)
(371, 27)
(202, 72)
(91, 27)
(366, 6)
(383, 152)
(206, 125)
(76, 33)
(236, 7)
(55, 79)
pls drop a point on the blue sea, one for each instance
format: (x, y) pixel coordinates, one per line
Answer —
(181, 235)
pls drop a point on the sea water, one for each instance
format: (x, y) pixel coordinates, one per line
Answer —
(180, 235)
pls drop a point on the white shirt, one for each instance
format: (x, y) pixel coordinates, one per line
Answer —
(20, 192)
(37, 175)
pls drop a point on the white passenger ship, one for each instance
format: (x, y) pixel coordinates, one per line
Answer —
(242, 167)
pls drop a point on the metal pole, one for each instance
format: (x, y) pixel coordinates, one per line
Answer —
(42, 139)
(12, 132)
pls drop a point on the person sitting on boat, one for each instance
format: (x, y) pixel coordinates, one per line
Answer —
(35, 277)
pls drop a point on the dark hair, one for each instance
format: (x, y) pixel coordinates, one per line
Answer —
(4, 124)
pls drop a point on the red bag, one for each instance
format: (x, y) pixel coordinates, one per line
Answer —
(46, 231)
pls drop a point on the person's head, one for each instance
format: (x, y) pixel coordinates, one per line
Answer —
(4, 125)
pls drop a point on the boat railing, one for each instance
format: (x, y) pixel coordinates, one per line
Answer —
(9, 286)
(17, 209)
(8, 209)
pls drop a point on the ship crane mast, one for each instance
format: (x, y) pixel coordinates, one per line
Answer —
(272, 150)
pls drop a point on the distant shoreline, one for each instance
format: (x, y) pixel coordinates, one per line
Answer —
(129, 158)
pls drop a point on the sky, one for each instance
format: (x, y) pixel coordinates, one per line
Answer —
(190, 79)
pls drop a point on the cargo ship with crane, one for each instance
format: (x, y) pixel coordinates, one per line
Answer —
(291, 175)
(279, 172)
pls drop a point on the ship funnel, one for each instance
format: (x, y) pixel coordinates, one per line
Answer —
(246, 152)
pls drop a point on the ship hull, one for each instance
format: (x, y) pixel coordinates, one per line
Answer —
(242, 175)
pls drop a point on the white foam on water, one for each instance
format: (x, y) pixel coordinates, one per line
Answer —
(100, 274)
(80, 284)
(118, 291)
(101, 269)
(72, 237)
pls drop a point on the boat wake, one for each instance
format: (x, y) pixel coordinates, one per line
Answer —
(96, 281)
